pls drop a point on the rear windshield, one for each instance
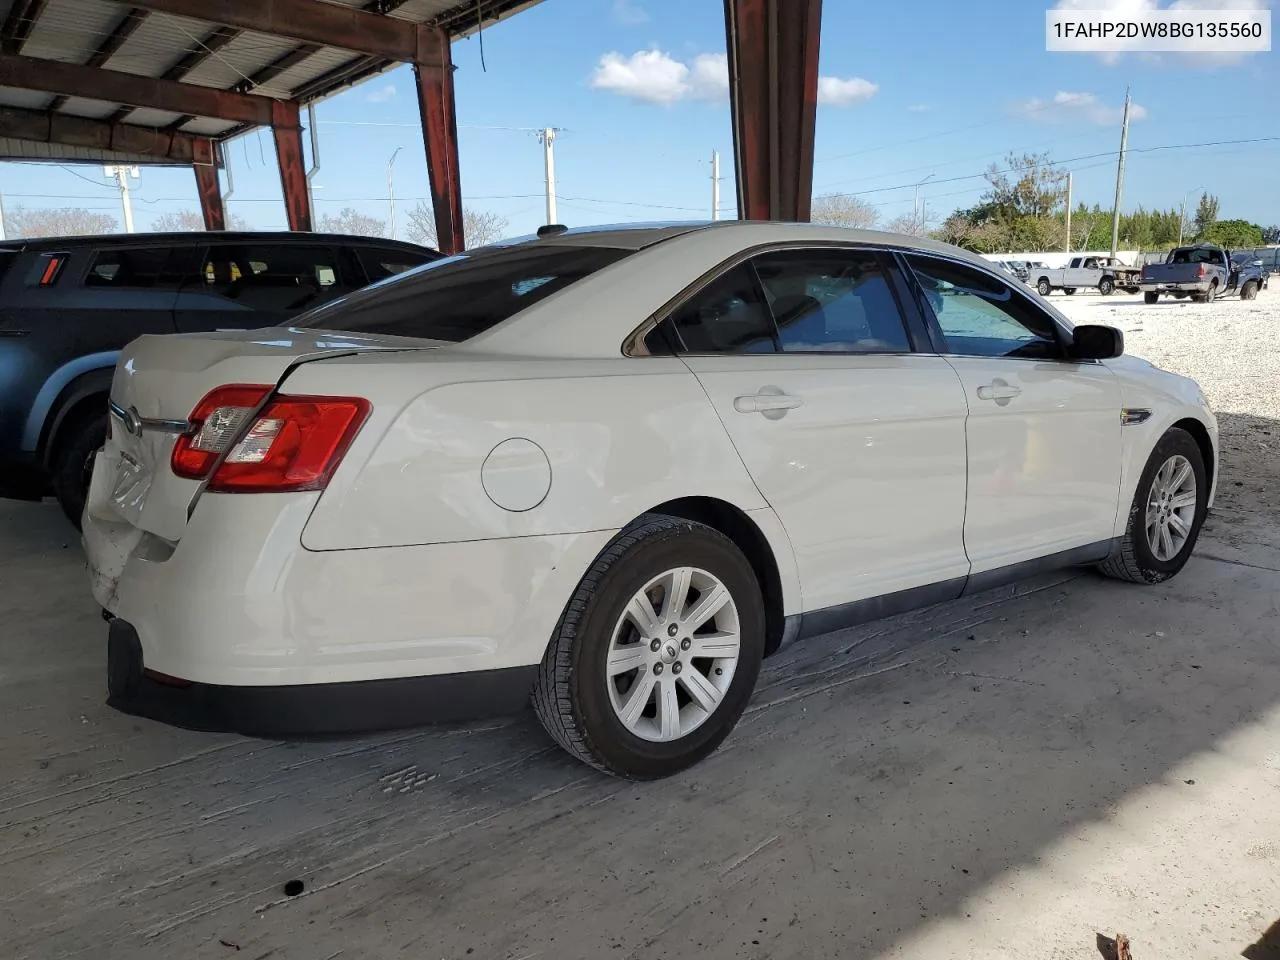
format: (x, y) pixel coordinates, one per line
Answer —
(459, 297)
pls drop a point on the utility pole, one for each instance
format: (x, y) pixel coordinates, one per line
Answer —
(1068, 245)
(1124, 147)
(121, 175)
(715, 185)
(548, 137)
(391, 193)
(916, 209)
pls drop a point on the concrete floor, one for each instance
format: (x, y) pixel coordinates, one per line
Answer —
(1006, 776)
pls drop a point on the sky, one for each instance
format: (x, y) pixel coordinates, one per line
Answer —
(915, 91)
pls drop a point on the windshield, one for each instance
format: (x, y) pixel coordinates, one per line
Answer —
(459, 297)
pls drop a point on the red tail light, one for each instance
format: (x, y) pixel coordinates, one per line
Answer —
(294, 443)
(1200, 271)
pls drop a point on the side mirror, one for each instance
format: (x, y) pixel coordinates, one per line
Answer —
(1255, 263)
(1095, 342)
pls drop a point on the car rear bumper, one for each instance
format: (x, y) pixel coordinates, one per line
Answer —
(306, 709)
(1189, 286)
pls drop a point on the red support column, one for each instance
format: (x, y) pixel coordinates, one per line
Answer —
(287, 128)
(434, 74)
(773, 95)
(209, 187)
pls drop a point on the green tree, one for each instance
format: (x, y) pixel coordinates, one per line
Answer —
(1206, 212)
(1232, 234)
(1028, 185)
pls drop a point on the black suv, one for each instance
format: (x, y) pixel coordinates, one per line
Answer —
(68, 306)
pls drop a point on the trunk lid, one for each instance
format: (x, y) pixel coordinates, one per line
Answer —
(158, 382)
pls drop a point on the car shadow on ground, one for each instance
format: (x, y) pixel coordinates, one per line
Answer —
(881, 778)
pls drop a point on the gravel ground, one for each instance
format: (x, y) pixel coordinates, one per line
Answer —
(1232, 347)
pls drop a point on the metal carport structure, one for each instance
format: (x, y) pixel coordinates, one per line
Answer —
(169, 81)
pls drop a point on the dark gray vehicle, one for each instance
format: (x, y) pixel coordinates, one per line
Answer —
(68, 306)
(1202, 272)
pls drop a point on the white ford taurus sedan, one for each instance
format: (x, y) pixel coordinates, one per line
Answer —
(611, 470)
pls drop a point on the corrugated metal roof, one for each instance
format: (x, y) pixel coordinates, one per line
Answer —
(80, 32)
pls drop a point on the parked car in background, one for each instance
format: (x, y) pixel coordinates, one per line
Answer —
(1105, 274)
(68, 306)
(612, 469)
(1202, 272)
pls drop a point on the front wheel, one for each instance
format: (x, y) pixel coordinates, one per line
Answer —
(1249, 291)
(1150, 297)
(1043, 288)
(657, 653)
(1106, 286)
(73, 464)
(1167, 512)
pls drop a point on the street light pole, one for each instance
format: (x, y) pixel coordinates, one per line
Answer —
(391, 193)
(1182, 213)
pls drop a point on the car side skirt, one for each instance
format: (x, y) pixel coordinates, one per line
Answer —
(829, 619)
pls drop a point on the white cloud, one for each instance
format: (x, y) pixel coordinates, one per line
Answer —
(1129, 7)
(654, 76)
(841, 93)
(1066, 107)
(382, 94)
(649, 75)
(628, 13)
(918, 108)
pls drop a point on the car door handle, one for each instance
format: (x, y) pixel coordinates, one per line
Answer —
(998, 390)
(765, 403)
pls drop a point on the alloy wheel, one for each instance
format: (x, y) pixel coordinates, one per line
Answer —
(1171, 508)
(673, 654)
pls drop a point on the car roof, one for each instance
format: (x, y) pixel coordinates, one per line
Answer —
(175, 238)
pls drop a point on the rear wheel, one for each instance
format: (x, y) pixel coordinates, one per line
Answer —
(1209, 295)
(1167, 512)
(1150, 297)
(1249, 291)
(1043, 287)
(73, 463)
(1106, 286)
(657, 652)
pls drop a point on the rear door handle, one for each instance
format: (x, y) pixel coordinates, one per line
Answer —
(766, 403)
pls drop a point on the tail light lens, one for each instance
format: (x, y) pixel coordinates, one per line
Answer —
(217, 420)
(1200, 271)
(294, 443)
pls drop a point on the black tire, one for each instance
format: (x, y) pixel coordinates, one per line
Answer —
(1132, 559)
(1150, 297)
(1249, 291)
(570, 695)
(1209, 295)
(73, 463)
(1106, 286)
(1044, 287)
(1069, 290)
(1180, 295)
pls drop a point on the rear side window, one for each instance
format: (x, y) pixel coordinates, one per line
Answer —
(456, 298)
(382, 262)
(130, 267)
(836, 301)
(729, 315)
(272, 277)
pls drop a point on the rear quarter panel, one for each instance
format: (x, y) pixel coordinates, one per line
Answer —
(619, 437)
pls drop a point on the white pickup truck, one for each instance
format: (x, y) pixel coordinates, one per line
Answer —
(1105, 274)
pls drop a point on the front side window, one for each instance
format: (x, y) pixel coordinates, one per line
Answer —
(129, 267)
(832, 301)
(456, 298)
(980, 316)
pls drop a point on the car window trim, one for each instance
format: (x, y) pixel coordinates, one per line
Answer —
(1063, 334)
(633, 344)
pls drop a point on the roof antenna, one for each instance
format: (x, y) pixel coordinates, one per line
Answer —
(551, 230)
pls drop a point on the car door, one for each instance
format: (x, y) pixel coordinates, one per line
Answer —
(242, 286)
(1043, 431)
(854, 439)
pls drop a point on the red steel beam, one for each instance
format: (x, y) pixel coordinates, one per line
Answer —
(96, 83)
(286, 125)
(440, 134)
(19, 23)
(209, 187)
(42, 127)
(311, 21)
(773, 96)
